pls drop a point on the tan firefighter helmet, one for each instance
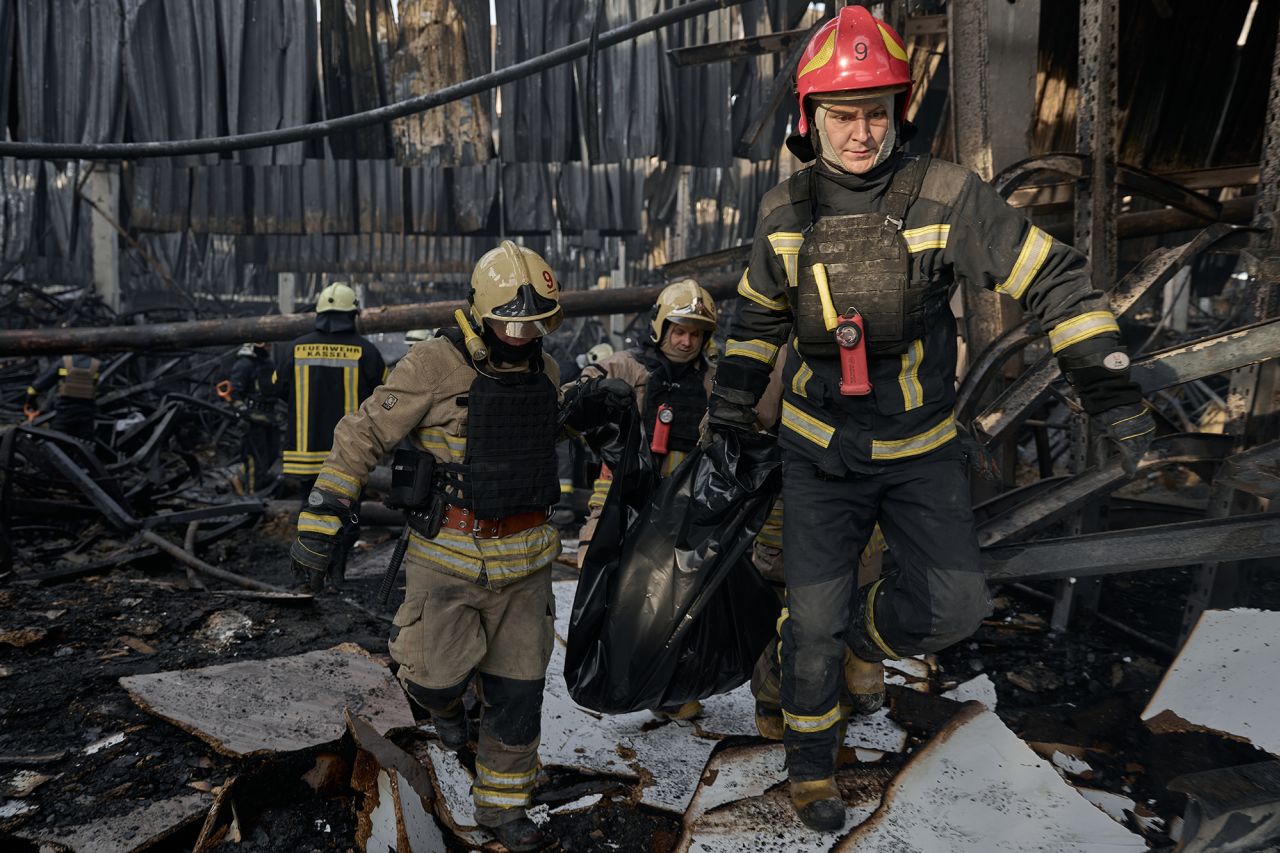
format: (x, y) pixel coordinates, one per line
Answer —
(337, 297)
(514, 290)
(684, 302)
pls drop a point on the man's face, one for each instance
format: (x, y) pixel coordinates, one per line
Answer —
(856, 132)
(685, 338)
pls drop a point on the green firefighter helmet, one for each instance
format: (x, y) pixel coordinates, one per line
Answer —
(684, 302)
(338, 296)
(514, 289)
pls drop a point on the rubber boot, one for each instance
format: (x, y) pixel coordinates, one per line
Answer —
(769, 722)
(864, 682)
(818, 804)
(519, 834)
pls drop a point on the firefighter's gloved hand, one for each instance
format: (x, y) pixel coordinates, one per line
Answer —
(1130, 428)
(729, 410)
(319, 536)
(593, 403)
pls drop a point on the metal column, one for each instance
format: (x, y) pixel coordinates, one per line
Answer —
(102, 189)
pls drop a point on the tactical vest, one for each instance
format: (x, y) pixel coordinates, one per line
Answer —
(687, 397)
(867, 267)
(78, 383)
(511, 464)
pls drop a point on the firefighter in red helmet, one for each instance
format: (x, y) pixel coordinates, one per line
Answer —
(854, 262)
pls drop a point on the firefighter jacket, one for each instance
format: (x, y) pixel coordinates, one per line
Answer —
(76, 377)
(955, 228)
(324, 377)
(253, 382)
(426, 400)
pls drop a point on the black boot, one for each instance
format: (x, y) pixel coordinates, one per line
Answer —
(520, 834)
(452, 731)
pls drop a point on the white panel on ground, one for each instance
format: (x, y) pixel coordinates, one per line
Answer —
(419, 827)
(1226, 679)
(981, 689)
(453, 783)
(738, 773)
(1112, 805)
(876, 731)
(136, 829)
(275, 705)
(382, 819)
(976, 788)
(732, 713)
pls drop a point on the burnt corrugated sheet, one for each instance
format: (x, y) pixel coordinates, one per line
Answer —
(327, 197)
(8, 52)
(355, 77)
(429, 200)
(442, 42)
(269, 54)
(220, 199)
(68, 70)
(277, 199)
(1177, 80)
(61, 205)
(472, 190)
(619, 109)
(379, 196)
(171, 71)
(538, 113)
(696, 103)
(160, 197)
(527, 197)
(18, 179)
(602, 197)
(436, 257)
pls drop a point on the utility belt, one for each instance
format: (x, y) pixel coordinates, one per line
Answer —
(415, 490)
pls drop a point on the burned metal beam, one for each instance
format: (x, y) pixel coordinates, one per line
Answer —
(1235, 808)
(782, 86)
(1208, 356)
(1256, 471)
(1040, 512)
(390, 318)
(118, 516)
(1236, 538)
(721, 51)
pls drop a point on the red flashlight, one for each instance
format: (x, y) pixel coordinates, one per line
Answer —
(851, 339)
(662, 429)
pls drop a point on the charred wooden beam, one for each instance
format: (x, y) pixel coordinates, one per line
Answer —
(390, 318)
(721, 51)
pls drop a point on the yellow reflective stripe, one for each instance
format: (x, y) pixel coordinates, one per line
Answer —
(800, 382)
(1034, 250)
(300, 469)
(566, 488)
(500, 799)
(671, 462)
(927, 237)
(746, 291)
(822, 57)
(870, 623)
(62, 371)
(336, 481)
(754, 348)
(916, 444)
(327, 525)
(31, 391)
(786, 245)
(428, 552)
(1082, 327)
(802, 723)
(909, 376)
(806, 425)
(495, 779)
(299, 408)
(782, 617)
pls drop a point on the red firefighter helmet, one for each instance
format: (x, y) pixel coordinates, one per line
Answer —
(850, 52)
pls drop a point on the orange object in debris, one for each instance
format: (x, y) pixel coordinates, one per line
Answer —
(224, 389)
(31, 413)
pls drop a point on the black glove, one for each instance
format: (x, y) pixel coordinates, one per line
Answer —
(593, 403)
(319, 536)
(729, 410)
(977, 456)
(1130, 428)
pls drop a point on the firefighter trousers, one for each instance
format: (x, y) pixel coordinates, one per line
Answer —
(450, 628)
(259, 450)
(934, 597)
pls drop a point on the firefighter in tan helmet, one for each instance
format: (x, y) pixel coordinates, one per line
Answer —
(481, 404)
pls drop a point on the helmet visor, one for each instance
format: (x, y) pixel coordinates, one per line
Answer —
(528, 328)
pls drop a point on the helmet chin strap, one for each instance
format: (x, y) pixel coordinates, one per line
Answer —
(827, 152)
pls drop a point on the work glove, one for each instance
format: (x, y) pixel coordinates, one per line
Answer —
(31, 407)
(977, 456)
(593, 403)
(728, 410)
(1130, 428)
(319, 537)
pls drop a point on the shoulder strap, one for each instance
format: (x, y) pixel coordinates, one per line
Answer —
(904, 189)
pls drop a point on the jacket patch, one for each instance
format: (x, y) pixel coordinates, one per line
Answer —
(390, 402)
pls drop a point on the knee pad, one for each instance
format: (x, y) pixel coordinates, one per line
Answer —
(442, 701)
(512, 708)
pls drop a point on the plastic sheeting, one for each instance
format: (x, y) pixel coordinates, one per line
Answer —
(669, 607)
